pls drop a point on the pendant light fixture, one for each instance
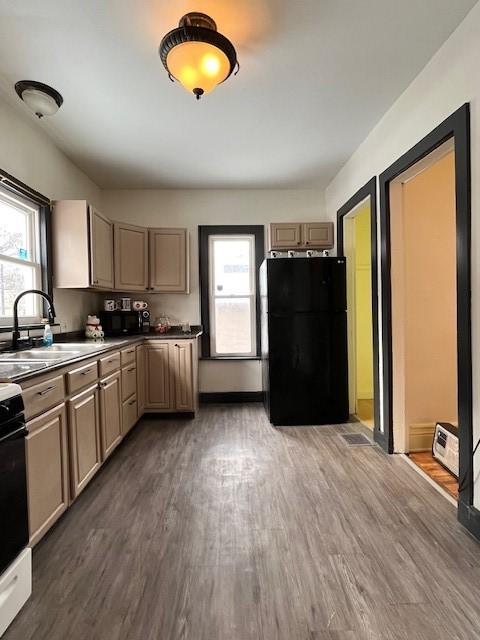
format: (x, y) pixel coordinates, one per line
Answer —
(39, 98)
(197, 55)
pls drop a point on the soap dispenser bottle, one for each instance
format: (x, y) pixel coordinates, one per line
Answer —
(47, 336)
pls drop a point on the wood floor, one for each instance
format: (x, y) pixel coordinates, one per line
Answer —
(225, 528)
(440, 475)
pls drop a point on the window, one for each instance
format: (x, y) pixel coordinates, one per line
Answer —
(230, 257)
(21, 265)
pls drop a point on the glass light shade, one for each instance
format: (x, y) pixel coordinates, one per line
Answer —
(39, 102)
(198, 65)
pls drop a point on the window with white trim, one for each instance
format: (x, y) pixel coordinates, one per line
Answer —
(229, 258)
(20, 263)
(232, 295)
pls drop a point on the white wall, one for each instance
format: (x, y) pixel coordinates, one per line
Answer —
(30, 156)
(449, 80)
(190, 208)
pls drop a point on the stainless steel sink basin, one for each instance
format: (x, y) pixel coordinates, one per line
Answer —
(39, 355)
(81, 347)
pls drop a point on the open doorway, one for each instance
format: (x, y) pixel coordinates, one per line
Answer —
(358, 251)
(455, 130)
(424, 322)
(356, 240)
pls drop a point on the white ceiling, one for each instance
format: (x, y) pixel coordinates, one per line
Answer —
(316, 75)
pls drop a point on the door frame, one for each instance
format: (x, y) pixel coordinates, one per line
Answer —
(369, 190)
(456, 126)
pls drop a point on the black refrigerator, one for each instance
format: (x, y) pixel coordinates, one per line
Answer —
(304, 340)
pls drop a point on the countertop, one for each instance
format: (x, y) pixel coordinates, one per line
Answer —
(17, 371)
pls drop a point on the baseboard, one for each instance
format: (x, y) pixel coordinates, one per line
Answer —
(469, 517)
(231, 396)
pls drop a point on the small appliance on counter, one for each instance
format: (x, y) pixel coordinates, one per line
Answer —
(119, 323)
(15, 556)
(445, 446)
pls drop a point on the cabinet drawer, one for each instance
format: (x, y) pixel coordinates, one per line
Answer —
(81, 377)
(43, 396)
(129, 413)
(129, 381)
(109, 363)
(128, 355)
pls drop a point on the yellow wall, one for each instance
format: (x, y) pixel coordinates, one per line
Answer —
(363, 304)
(424, 328)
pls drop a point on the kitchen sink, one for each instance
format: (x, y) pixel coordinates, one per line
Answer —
(78, 346)
(40, 355)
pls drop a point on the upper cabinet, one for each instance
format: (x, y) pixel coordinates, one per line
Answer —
(92, 252)
(169, 267)
(101, 250)
(284, 235)
(82, 241)
(307, 235)
(131, 257)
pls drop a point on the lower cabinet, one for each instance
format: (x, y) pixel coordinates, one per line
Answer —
(84, 436)
(110, 413)
(140, 380)
(170, 375)
(182, 375)
(47, 470)
(157, 369)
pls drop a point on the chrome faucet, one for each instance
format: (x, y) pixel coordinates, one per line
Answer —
(51, 312)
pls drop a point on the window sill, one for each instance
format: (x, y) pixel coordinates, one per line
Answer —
(230, 358)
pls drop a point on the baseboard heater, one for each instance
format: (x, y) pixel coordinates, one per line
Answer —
(445, 446)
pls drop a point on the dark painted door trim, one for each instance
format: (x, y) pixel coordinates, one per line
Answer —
(369, 190)
(457, 126)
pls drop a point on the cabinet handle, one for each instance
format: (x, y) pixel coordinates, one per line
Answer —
(177, 345)
(131, 351)
(130, 370)
(131, 402)
(102, 385)
(84, 373)
(110, 361)
(47, 390)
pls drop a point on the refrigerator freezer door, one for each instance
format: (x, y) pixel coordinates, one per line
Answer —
(306, 285)
(308, 369)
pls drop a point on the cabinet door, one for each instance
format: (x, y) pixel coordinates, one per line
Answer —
(182, 356)
(84, 436)
(158, 376)
(110, 413)
(169, 264)
(131, 257)
(47, 470)
(101, 250)
(140, 380)
(318, 235)
(285, 235)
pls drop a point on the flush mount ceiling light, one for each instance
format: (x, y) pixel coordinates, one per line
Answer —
(197, 55)
(39, 98)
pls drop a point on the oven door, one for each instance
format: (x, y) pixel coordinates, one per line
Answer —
(13, 491)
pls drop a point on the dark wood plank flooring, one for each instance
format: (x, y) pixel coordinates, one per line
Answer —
(225, 528)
